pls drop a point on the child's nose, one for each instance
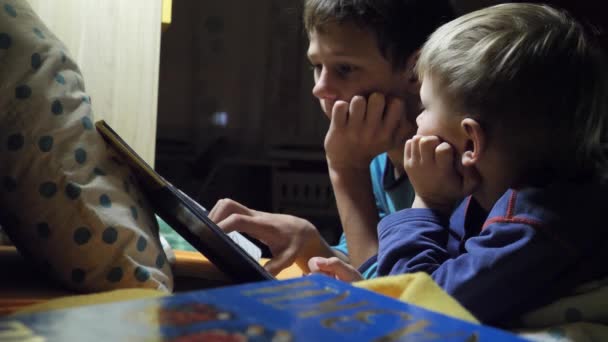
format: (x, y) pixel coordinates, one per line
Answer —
(324, 88)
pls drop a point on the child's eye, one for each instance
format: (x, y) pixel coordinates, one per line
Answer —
(421, 106)
(344, 70)
(315, 68)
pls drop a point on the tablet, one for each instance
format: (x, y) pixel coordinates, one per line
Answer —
(187, 217)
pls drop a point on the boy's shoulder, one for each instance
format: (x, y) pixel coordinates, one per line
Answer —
(566, 211)
(555, 208)
(555, 201)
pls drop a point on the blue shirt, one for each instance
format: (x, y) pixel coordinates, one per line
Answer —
(533, 246)
(390, 194)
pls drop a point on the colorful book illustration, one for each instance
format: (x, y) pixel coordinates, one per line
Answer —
(233, 254)
(312, 308)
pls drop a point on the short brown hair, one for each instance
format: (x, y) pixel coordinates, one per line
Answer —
(400, 26)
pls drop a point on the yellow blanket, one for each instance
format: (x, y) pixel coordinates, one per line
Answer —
(418, 289)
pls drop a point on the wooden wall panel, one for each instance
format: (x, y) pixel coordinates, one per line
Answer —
(116, 43)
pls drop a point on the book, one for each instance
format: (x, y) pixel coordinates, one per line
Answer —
(233, 254)
(311, 308)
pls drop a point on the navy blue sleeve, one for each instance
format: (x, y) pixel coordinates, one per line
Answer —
(403, 249)
(504, 271)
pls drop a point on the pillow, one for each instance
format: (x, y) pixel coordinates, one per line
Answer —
(67, 201)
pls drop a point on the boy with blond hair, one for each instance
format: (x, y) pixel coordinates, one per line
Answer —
(515, 100)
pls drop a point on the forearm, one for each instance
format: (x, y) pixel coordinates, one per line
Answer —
(414, 240)
(358, 212)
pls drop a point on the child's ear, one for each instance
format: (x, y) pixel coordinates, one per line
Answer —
(475, 141)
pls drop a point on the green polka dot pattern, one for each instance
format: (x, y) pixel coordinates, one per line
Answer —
(65, 199)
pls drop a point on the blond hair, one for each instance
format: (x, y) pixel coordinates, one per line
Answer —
(533, 78)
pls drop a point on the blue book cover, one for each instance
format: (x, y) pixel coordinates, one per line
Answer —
(312, 308)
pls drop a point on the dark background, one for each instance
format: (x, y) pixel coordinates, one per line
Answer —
(236, 116)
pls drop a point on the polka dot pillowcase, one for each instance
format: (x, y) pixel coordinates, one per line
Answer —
(66, 200)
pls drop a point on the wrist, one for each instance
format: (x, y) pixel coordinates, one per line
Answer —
(442, 208)
(346, 165)
(339, 170)
(313, 246)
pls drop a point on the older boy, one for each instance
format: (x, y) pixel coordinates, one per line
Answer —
(515, 101)
(362, 53)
